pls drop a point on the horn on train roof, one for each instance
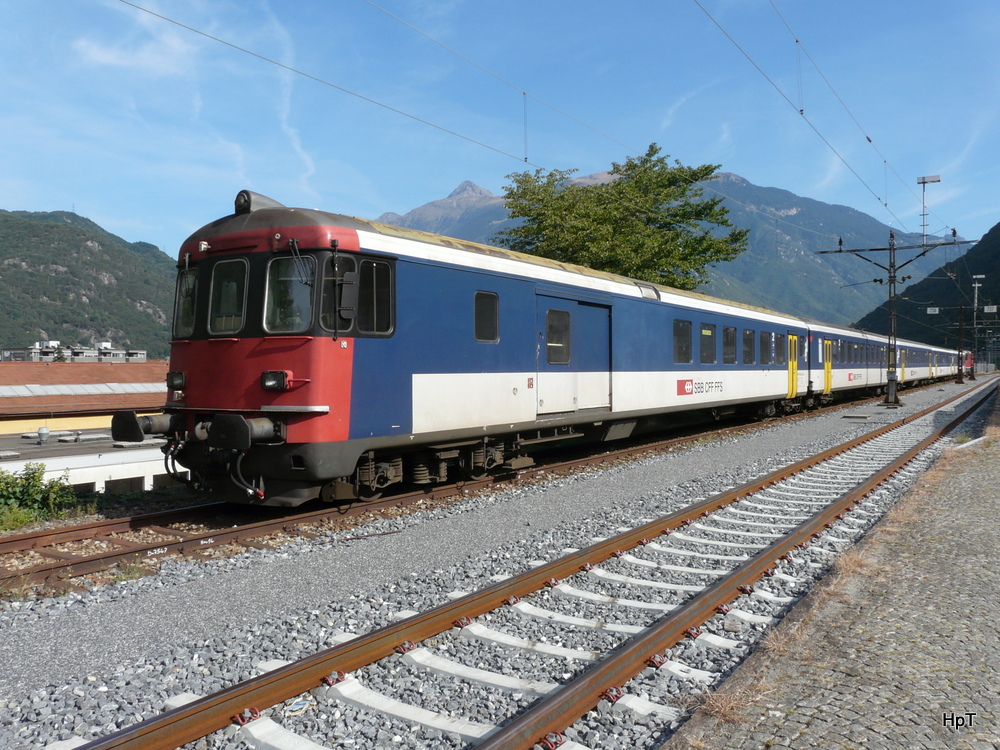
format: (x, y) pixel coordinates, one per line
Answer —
(247, 201)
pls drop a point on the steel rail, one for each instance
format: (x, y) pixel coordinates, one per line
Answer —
(213, 712)
(559, 709)
(64, 567)
(36, 539)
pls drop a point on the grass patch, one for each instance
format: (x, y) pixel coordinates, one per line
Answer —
(28, 496)
(129, 570)
(850, 562)
(13, 517)
(780, 640)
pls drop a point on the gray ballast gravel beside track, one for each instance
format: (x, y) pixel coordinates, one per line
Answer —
(86, 664)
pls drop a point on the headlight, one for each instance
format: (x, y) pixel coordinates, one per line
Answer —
(274, 380)
(176, 381)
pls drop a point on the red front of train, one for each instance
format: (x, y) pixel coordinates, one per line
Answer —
(260, 363)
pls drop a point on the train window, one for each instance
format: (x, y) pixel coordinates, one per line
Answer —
(728, 345)
(749, 346)
(228, 296)
(357, 296)
(487, 317)
(803, 347)
(289, 295)
(374, 297)
(557, 337)
(780, 349)
(707, 344)
(766, 339)
(334, 314)
(184, 304)
(682, 341)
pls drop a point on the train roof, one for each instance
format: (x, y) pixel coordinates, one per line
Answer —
(256, 212)
(270, 213)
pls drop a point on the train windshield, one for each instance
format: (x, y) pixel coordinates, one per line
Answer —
(228, 297)
(184, 304)
(289, 301)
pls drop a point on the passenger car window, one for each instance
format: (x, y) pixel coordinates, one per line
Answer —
(749, 346)
(682, 341)
(486, 311)
(557, 337)
(707, 344)
(780, 349)
(765, 347)
(728, 345)
(229, 283)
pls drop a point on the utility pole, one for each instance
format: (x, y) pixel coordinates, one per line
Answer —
(891, 399)
(923, 182)
(975, 321)
(961, 345)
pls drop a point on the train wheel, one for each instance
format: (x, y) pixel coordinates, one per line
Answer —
(367, 494)
(766, 410)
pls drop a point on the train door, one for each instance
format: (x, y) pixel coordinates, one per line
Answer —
(827, 366)
(901, 368)
(793, 365)
(573, 355)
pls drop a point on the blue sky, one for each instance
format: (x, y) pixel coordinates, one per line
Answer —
(151, 129)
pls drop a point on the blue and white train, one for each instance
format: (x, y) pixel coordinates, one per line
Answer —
(319, 355)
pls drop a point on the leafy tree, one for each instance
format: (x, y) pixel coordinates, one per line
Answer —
(648, 221)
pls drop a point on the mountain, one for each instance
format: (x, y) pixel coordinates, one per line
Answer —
(468, 213)
(949, 288)
(780, 269)
(64, 278)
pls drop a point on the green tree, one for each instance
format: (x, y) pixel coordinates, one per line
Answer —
(647, 222)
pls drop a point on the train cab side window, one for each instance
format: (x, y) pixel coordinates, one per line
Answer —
(486, 311)
(780, 349)
(682, 342)
(766, 339)
(289, 295)
(357, 296)
(728, 345)
(749, 346)
(374, 297)
(557, 337)
(184, 304)
(228, 296)
(706, 346)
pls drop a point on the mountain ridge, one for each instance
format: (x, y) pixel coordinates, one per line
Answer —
(780, 270)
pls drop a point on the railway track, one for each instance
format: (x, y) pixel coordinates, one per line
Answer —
(707, 578)
(57, 558)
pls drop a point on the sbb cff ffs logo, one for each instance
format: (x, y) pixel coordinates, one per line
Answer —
(694, 387)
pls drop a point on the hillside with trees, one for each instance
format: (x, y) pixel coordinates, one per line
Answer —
(64, 278)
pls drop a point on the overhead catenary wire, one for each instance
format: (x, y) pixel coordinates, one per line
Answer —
(525, 96)
(319, 80)
(801, 113)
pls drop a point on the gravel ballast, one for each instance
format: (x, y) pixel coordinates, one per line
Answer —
(87, 664)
